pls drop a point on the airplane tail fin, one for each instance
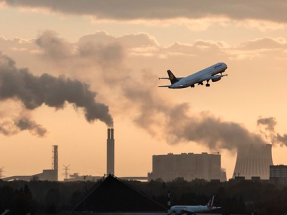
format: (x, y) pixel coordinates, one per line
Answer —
(210, 203)
(171, 76)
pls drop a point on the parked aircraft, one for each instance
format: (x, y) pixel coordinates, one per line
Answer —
(192, 209)
(207, 74)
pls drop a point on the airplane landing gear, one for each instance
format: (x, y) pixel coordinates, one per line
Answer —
(207, 84)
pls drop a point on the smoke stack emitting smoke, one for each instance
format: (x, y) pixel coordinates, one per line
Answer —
(33, 91)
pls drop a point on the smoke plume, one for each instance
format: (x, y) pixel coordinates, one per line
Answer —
(178, 123)
(267, 128)
(33, 91)
(9, 128)
(146, 105)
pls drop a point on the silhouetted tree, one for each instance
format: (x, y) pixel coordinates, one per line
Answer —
(23, 201)
(53, 201)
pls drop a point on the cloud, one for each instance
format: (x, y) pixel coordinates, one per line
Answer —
(147, 107)
(54, 46)
(128, 92)
(265, 43)
(163, 9)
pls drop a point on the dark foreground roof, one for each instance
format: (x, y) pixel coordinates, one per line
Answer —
(113, 195)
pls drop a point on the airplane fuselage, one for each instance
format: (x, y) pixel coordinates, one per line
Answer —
(186, 209)
(204, 75)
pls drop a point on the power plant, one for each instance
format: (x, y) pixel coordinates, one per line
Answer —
(188, 166)
(253, 161)
(111, 152)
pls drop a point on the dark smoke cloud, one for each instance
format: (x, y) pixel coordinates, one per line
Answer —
(212, 132)
(34, 91)
(269, 131)
(178, 124)
(153, 112)
(9, 128)
(32, 126)
(163, 9)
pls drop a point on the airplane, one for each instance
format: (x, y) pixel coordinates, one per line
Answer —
(210, 73)
(191, 209)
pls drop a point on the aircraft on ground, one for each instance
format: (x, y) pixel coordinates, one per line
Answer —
(192, 209)
(210, 73)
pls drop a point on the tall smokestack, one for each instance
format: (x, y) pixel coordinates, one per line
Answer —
(110, 152)
(55, 162)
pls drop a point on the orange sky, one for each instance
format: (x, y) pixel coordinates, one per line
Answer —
(120, 53)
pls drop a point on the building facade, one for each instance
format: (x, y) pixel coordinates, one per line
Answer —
(188, 166)
(278, 174)
(278, 171)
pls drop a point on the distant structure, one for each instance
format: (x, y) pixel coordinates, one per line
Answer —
(253, 161)
(66, 173)
(110, 152)
(46, 175)
(55, 161)
(278, 171)
(78, 177)
(1, 172)
(278, 174)
(189, 166)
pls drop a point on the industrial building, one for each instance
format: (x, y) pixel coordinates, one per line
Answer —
(46, 175)
(253, 161)
(278, 174)
(188, 166)
(278, 171)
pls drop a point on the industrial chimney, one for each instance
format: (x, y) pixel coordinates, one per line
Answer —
(253, 161)
(55, 162)
(110, 152)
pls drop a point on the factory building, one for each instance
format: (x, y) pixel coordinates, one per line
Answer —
(278, 174)
(46, 175)
(278, 171)
(253, 161)
(189, 166)
(111, 152)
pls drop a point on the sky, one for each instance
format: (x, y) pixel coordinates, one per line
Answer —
(70, 69)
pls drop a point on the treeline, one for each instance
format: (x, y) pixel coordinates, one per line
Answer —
(233, 197)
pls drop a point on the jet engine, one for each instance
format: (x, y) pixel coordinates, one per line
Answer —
(216, 78)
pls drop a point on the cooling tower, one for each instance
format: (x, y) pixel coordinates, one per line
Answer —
(253, 160)
(110, 152)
